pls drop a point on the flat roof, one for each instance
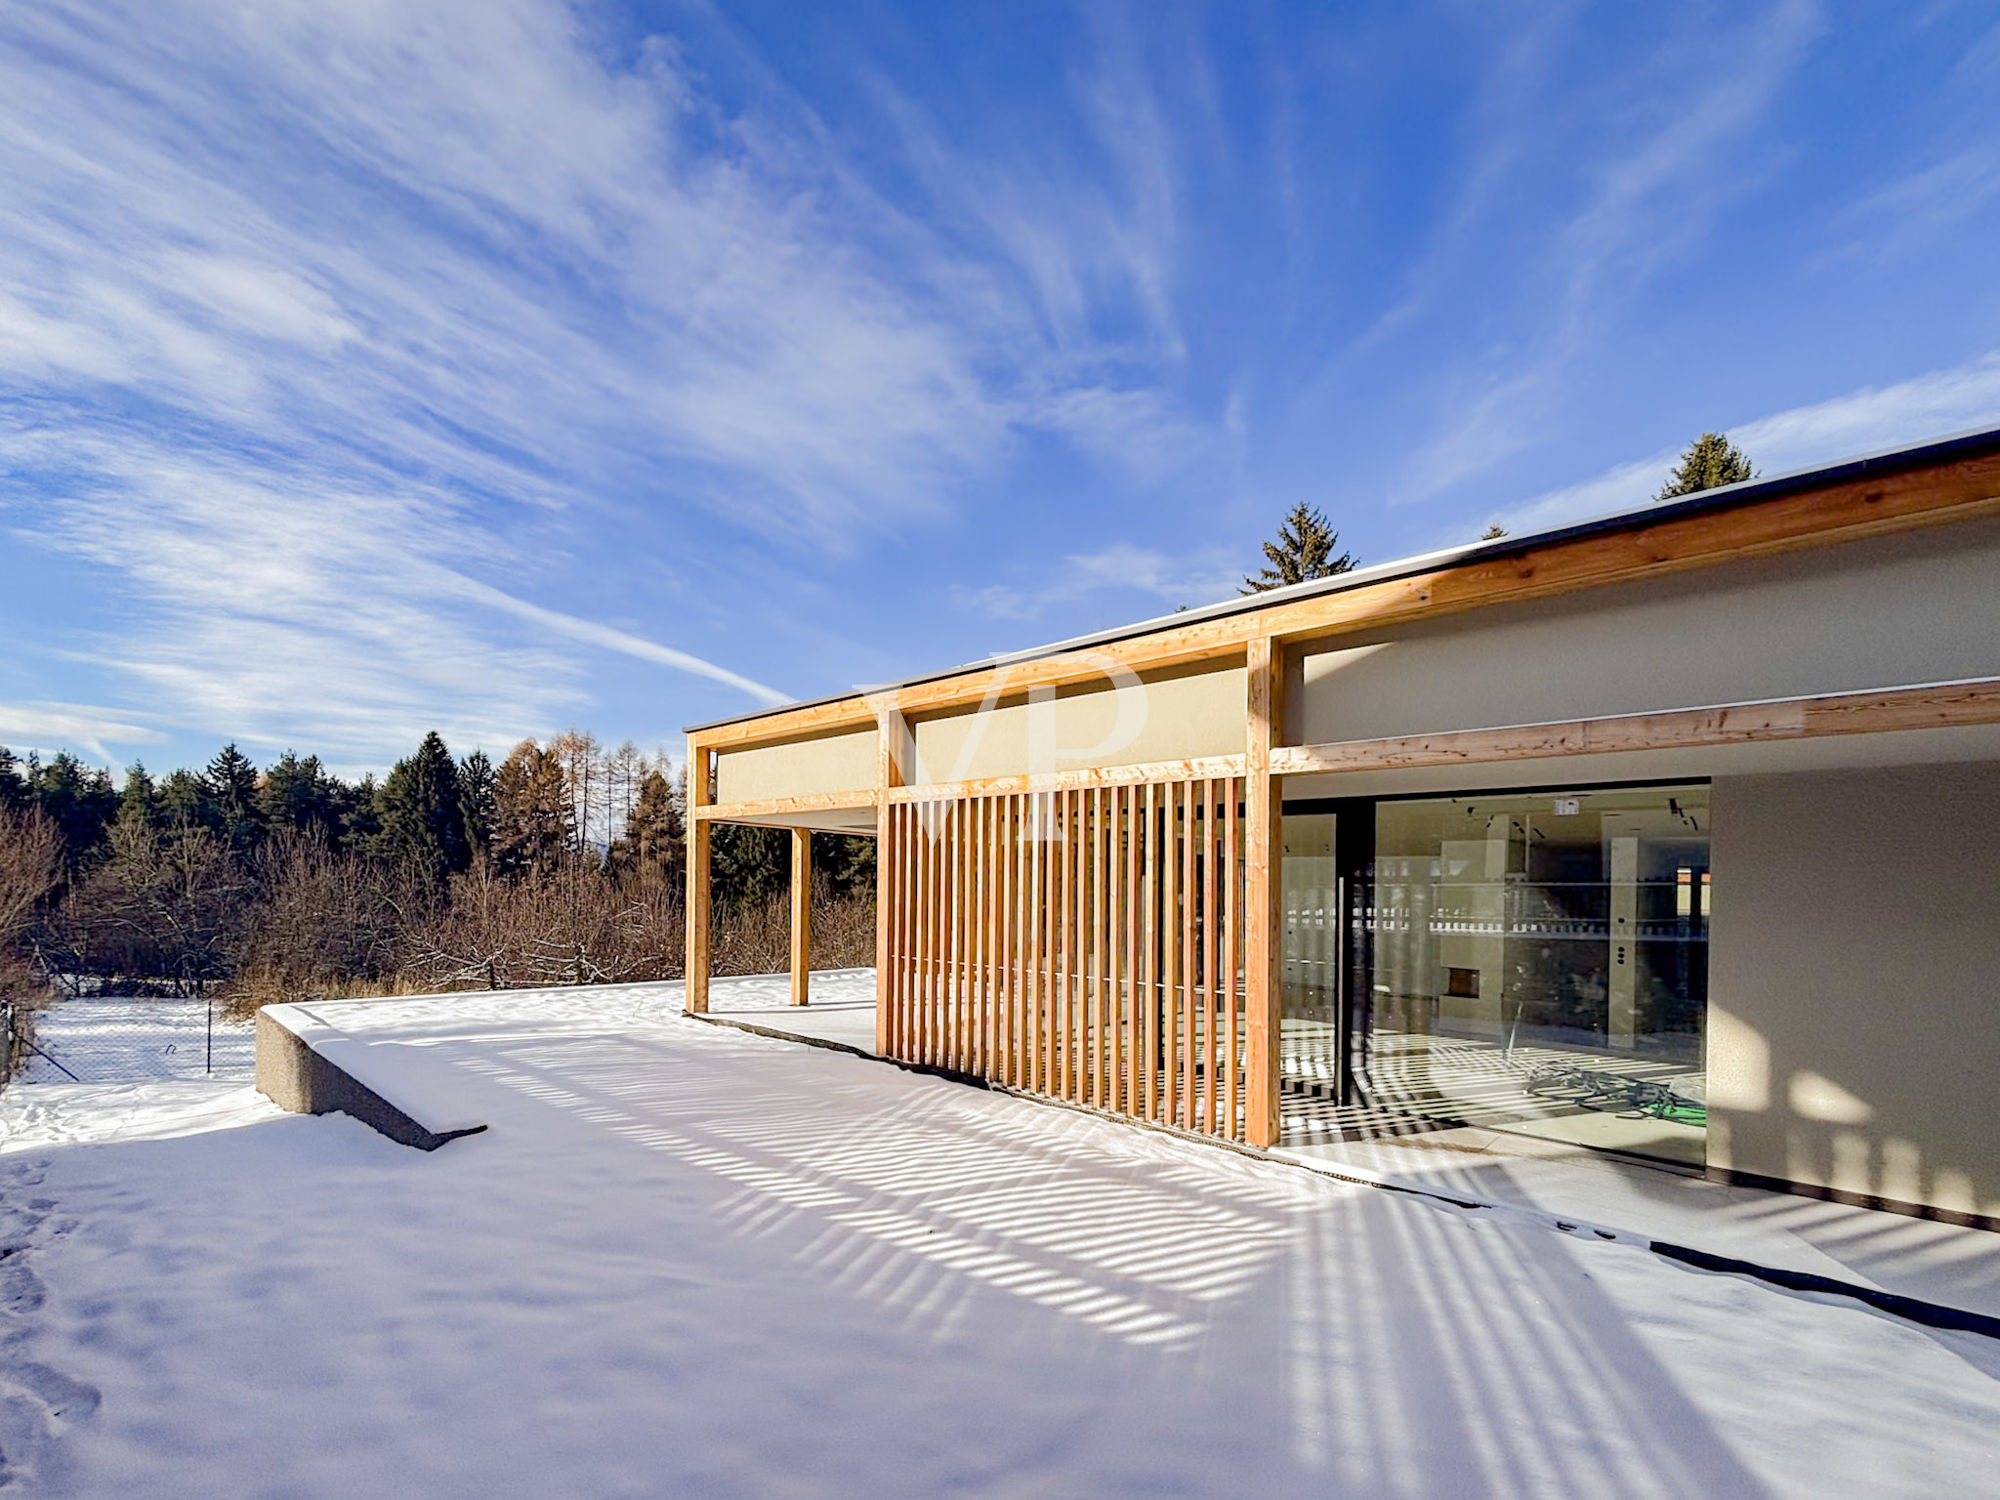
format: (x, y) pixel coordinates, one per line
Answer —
(1930, 453)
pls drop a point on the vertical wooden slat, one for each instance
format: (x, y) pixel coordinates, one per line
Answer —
(1070, 1073)
(1010, 940)
(1211, 935)
(1170, 955)
(961, 874)
(1108, 1006)
(1045, 896)
(1023, 871)
(1149, 961)
(989, 935)
(989, 931)
(1087, 1029)
(1079, 929)
(1093, 1013)
(947, 935)
(1263, 858)
(934, 937)
(907, 844)
(969, 1037)
(920, 916)
(1086, 931)
(1125, 995)
(1231, 965)
(1059, 851)
(1190, 914)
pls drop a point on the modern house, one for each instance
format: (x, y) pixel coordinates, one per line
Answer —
(1674, 834)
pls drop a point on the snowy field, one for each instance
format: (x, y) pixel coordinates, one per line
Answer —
(687, 1261)
(123, 1038)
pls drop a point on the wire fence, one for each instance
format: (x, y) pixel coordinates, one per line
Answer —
(125, 1039)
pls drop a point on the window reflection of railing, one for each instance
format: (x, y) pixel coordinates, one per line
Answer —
(1537, 909)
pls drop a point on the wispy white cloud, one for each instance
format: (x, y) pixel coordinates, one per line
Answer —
(1959, 399)
(55, 726)
(1653, 195)
(1119, 568)
(336, 322)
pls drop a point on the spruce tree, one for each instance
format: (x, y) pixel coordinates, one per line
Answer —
(361, 815)
(77, 798)
(298, 793)
(477, 781)
(655, 841)
(136, 802)
(533, 817)
(231, 780)
(1711, 460)
(13, 790)
(748, 864)
(1303, 550)
(423, 824)
(183, 801)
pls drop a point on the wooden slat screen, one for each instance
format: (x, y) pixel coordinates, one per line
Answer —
(1084, 944)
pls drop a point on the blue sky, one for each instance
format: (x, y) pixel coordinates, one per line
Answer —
(501, 365)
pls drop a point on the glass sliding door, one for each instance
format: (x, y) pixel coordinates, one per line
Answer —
(1538, 963)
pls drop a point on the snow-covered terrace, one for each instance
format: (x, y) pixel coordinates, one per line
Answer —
(1549, 1180)
(689, 1260)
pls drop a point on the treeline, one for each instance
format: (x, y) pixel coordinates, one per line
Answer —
(561, 865)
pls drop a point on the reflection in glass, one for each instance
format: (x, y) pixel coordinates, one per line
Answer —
(1529, 962)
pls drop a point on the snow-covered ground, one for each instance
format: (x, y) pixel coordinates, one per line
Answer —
(686, 1260)
(120, 1038)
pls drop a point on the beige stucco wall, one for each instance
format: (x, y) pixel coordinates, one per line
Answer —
(1854, 991)
(1166, 716)
(806, 768)
(1924, 607)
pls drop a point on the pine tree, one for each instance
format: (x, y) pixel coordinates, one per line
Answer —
(423, 824)
(1711, 460)
(231, 780)
(1303, 550)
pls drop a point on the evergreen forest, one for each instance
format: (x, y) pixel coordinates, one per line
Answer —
(563, 864)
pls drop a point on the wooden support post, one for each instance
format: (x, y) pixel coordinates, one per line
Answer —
(697, 878)
(1263, 959)
(802, 877)
(891, 858)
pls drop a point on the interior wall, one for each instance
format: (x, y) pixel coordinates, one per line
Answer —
(1886, 612)
(1854, 1001)
(1168, 716)
(804, 768)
